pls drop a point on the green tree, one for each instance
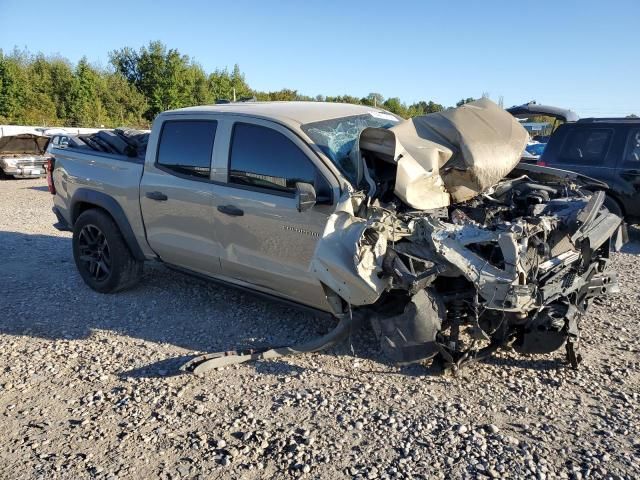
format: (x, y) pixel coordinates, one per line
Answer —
(344, 99)
(62, 78)
(139, 84)
(465, 100)
(13, 85)
(394, 105)
(124, 104)
(373, 99)
(422, 108)
(85, 106)
(167, 79)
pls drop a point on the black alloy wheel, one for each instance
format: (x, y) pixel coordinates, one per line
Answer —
(95, 255)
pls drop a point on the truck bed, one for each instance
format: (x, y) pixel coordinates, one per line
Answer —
(120, 141)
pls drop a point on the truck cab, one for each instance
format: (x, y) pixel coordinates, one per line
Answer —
(219, 195)
(235, 192)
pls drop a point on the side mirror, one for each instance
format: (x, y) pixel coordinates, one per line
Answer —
(305, 196)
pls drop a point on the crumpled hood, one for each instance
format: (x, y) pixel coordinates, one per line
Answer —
(449, 156)
(23, 144)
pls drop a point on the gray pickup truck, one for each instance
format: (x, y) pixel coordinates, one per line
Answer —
(427, 226)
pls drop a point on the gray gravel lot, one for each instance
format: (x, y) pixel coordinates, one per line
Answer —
(89, 387)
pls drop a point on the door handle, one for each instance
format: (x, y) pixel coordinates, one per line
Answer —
(230, 210)
(159, 196)
(632, 172)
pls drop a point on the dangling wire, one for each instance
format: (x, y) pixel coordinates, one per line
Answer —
(353, 353)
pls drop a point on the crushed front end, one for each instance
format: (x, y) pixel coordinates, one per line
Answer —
(512, 265)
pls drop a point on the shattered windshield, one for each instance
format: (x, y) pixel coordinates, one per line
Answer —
(337, 136)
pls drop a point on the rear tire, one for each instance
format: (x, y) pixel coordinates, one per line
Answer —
(102, 257)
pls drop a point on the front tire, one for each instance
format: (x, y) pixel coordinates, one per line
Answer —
(102, 257)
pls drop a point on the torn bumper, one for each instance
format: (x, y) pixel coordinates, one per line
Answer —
(427, 279)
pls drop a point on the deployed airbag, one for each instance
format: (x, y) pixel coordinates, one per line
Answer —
(450, 156)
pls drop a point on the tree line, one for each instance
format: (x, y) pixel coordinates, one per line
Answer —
(137, 85)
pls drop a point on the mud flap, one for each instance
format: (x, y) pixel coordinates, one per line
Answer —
(411, 336)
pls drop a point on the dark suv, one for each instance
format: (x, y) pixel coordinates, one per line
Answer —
(607, 149)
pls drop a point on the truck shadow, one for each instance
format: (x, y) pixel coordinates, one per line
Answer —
(44, 297)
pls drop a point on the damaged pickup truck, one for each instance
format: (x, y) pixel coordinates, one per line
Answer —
(428, 227)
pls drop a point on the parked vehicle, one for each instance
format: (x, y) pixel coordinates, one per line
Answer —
(532, 152)
(533, 109)
(345, 207)
(604, 148)
(58, 140)
(23, 155)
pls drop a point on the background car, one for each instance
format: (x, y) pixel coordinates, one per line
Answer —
(607, 149)
(23, 155)
(532, 152)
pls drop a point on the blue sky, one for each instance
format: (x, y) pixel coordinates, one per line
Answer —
(582, 55)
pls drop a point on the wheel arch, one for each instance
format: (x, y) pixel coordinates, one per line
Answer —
(84, 199)
(614, 197)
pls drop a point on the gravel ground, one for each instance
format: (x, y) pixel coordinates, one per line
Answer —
(89, 385)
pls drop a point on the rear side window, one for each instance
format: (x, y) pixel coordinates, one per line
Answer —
(264, 158)
(632, 152)
(186, 147)
(586, 145)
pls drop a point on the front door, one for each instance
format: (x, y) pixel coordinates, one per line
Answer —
(267, 242)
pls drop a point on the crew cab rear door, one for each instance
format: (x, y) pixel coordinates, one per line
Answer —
(176, 194)
(267, 243)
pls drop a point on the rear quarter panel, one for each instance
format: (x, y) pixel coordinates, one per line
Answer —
(117, 177)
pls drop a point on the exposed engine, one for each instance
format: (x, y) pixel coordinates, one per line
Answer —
(515, 266)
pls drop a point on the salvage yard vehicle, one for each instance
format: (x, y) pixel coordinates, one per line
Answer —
(607, 149)
(23, 155)
(532, 152)
(427, 227)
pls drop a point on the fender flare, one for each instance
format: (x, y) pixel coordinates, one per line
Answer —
(113, 208)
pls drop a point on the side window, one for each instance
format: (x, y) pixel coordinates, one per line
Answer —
(186, 146)
(632, 152)
(586, 146)
(64, 140)
(56, 140)
(262, 157)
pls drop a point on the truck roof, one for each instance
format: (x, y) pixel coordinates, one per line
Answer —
(292, 113)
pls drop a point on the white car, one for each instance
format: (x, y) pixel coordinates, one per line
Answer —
(23, 155)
